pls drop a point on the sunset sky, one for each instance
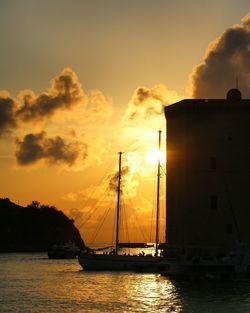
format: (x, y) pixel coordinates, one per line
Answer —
(82, 80)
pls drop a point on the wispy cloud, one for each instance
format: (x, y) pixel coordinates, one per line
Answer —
(98, 104)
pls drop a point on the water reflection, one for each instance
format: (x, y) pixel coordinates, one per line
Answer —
(154, 293)
(130, 292)
(33, 283)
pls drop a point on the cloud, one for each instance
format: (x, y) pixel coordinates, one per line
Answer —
(65, 92)
(129, 176)
(98, 104)
(148, 102)
(36, 147)
(226, 58)
(113, 178)
(29, 110)
(7, 113)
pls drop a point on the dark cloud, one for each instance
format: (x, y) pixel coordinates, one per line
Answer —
(227, 58)
(7, 113)
(146, 102)
(113, 179)
(36, 147)
(65, 92)
(142, 94)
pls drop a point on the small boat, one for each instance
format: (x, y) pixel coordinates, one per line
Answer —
(64, 251)
(115, 260)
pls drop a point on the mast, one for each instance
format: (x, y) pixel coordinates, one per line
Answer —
(118, 204)
(158, 196)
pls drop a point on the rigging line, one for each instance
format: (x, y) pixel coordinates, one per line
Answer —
(121, 222)
(153, 215)
(126, 231)
(162, 211)
(128, 147)
(113, 232)
(141, 229)
(134, 142)
(94, 209)
(136, 149)
(163, 170)
(141, 149)
(99, 181)
(162, 205)
(101, 224)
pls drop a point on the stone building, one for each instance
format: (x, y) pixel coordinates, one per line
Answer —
(208, 174)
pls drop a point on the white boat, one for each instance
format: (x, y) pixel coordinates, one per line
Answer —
(115, 260)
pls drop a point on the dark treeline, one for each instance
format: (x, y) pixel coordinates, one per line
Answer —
(34, 228)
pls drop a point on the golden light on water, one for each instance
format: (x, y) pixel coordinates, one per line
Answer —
(157, 294)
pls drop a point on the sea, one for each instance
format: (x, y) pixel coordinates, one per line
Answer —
(32, 283)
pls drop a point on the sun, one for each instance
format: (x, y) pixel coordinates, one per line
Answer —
(153, 156)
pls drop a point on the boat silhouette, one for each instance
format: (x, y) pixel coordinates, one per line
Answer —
(115, 260)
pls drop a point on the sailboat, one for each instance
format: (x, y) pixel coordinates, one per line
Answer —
(114, 260)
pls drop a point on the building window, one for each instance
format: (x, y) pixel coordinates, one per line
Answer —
(213, 202)
(229, 229)
(213, 163)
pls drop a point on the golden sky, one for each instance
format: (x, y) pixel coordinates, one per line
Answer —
(82, 80)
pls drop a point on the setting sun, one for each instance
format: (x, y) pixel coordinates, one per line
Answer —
(153, 156)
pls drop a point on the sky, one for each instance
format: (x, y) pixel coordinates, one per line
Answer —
(82, 80)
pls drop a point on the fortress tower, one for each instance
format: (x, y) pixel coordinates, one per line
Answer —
(208, 174)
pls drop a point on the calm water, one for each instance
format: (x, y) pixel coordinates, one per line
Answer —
(33, 283)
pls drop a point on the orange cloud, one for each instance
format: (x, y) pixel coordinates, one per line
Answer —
(148, 102)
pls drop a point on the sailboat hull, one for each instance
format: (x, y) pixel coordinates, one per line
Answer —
(106, 262)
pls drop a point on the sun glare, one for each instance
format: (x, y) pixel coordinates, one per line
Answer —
(153, 156)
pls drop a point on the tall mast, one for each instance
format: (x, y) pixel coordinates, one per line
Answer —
(118, 204)
(158, 196)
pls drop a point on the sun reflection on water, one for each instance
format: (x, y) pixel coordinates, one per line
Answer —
(32, 283)
(41, 285)
(154, 293)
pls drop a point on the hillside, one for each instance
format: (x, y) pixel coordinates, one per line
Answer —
(34, 228)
